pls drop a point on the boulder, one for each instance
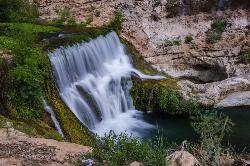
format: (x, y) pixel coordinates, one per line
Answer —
(17, 148)
(136, 163)
(181, 158)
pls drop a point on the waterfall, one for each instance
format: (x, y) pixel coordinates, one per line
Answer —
(49, 110)
(93, 79)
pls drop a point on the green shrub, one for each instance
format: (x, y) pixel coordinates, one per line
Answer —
(17, 11)
(172, 43)
(219, 26)
(116, 23)
(211, 127)
(123, 149)
(97, 13)
(65, 17)
(214, 34)
(89, 19)
(29, 70)
(188, 39)
(246, 56)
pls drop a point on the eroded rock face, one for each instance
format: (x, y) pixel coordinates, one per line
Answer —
(218, 69)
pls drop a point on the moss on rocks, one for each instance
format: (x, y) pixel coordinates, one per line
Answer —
(161, 96)
(73, 130)
(38, 128)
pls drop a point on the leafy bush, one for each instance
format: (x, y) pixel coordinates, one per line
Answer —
(188, 39)
(29, 70)
(214, 34)
(211, 128)
(123, 149)
(17, 11)
(246, 55)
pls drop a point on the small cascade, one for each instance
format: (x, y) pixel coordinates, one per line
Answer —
(49, 110)
(94, 81)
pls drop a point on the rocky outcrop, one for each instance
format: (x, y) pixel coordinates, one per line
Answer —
(208, 72)
(136, 163)
(215, 70)
(17, 148)
(214, 93)
(182, 158)
(100, 10)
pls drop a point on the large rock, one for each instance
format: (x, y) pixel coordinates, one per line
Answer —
(16, 148)
(215, 70)
(136, 163)
(181, 158)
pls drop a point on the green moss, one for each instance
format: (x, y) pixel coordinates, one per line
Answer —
(28, 71)
(28, 27)
(160, 96)
(32, 128)
(73, 130)
(82, 33)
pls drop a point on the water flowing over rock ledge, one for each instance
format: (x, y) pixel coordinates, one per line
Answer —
(148, 25)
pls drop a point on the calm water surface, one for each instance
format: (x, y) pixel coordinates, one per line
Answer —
(178, 128)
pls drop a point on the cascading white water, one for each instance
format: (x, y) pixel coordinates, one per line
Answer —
(94, 81)
(49, 110)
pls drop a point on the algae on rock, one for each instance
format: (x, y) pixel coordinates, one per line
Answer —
(73, 130)
(161, 96)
